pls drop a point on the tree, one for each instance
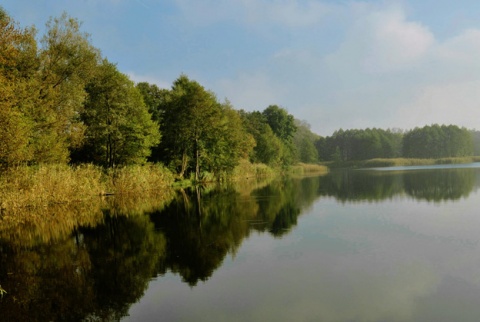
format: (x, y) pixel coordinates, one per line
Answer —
(232, 142)
(199, 134)
(437, 141)
(282, 123)
(154, 99)
(17, 54)
(268, 147)
(304, 140)
(67, 62)
(119, 128)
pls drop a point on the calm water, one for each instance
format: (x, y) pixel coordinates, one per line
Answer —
(349, 246)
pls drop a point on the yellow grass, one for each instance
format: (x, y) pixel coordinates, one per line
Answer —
(306, 169)
(48, 185)
(248, 170)
(139, 179)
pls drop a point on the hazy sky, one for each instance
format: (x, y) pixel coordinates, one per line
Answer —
(336, 64)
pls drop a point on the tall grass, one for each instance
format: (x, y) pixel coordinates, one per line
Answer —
(410, 161)
(247, 170)
(307, 168)
(139, 179)
(47, 202)
(47, 185)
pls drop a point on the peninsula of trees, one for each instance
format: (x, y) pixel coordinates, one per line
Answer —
(61, 101)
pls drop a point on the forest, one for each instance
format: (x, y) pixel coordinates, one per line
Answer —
(62, 102)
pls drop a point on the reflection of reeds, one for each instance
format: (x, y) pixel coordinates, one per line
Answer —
(47, 185)
(28, 226)
(47, 202)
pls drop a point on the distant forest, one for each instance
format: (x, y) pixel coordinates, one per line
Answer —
(62, 102)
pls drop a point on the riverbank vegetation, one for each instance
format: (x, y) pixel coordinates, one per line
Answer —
(396, 162)
(75, 126)
(48, 185)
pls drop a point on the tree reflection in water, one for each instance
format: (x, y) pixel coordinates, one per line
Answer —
(93, 262)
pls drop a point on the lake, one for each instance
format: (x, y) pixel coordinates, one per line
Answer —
(353, 245)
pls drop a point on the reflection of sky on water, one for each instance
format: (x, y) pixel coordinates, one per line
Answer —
(429, 167)
(395, 260)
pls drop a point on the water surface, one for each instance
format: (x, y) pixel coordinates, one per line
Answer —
(349, 246)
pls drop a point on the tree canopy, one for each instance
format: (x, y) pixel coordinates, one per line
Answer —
(61, 101)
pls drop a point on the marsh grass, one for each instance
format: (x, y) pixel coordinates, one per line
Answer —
(308, 169)
(396, 162)
(139, 180)
(47, 185)
(247, 170)
(44, 203)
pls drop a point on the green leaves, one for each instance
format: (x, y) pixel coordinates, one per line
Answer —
(199, 133)
(119, 127)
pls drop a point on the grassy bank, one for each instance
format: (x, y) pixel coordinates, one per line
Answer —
(308, 169)
(48, 185)
(373, 163)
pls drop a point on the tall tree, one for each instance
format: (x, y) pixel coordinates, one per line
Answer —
(304, 139)
(17, 56)
(268, 147)
(154, 98)
(232, 141)
(119, 127)
(67, 61)
(435, 141)
(199, 133)
(282, 123)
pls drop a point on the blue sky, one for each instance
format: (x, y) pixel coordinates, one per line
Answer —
(336, 64)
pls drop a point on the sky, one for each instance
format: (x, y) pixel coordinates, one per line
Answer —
(335, 64)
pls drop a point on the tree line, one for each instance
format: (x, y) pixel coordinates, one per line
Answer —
(430, 141)
(61, 101)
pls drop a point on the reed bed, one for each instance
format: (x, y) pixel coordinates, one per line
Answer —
(247, 170)
(46, 185)
(396, 162)
(139, 179)
(49, 184)
(308, 169)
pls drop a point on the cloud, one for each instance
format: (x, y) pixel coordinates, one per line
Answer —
(372, 66)
(250, 91)
(381, 41)
(453, 103)
(291, 13)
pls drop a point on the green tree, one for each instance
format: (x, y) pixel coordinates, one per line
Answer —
(304, 139)
(282, 123)
(232, 142)
(437, 141)
(67, 61)
(154, 99)
(17, 54)
(199, 133)
(268, 147)
(119, 128)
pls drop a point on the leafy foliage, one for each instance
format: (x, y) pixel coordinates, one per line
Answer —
(119, 128)
(437, 141)
(200, 134)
